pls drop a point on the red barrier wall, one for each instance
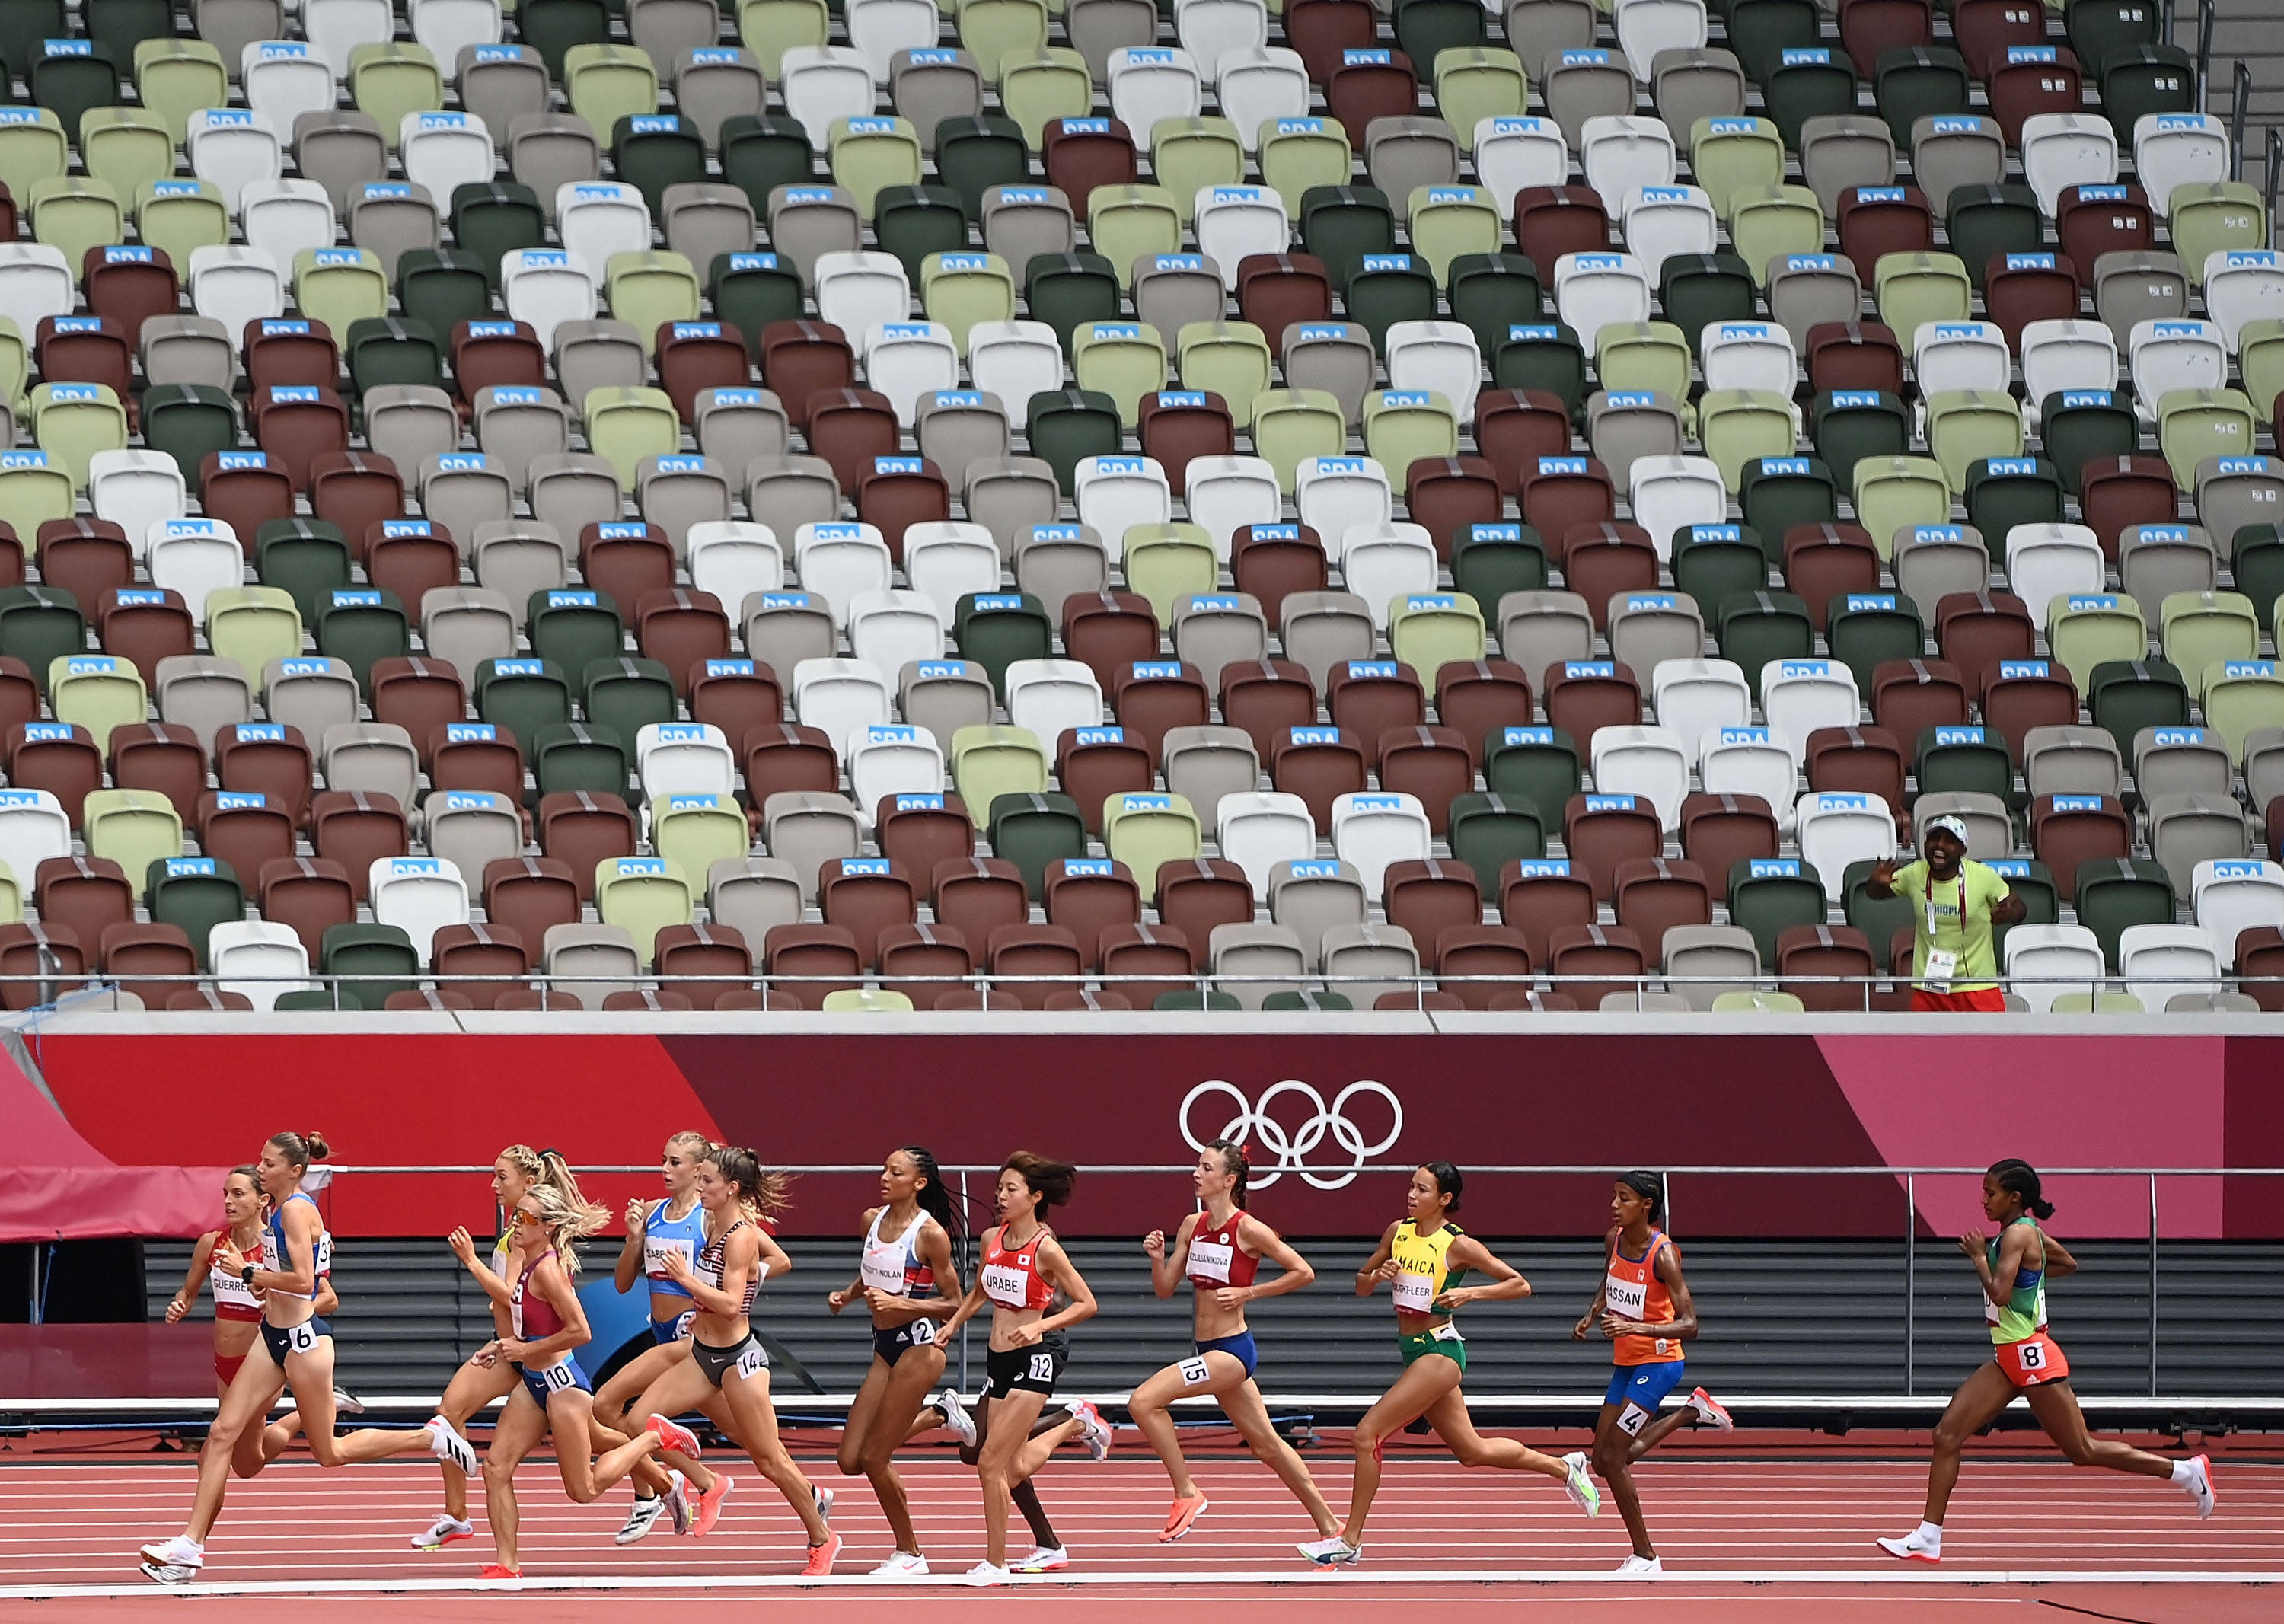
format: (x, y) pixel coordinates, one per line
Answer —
(1849, 1099)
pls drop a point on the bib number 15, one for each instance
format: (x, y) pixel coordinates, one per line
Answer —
(1192, 1370)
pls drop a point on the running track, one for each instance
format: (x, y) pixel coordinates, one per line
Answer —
(2024, 1531)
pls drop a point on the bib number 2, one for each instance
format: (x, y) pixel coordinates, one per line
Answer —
(920, 1333)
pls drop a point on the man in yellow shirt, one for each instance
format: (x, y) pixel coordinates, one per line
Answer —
(1954, 903)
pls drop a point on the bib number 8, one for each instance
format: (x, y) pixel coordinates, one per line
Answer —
(752, 1362)
(303, 1339)
(921, 1334)
(1192, 1370)
(2033, 1356)
(1043, 1367)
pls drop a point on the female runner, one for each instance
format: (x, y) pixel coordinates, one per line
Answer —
(1643, 1307)
(1424, 1257)
(475, 1384)
(553, 1394)
(906, 1265)
(1024, 1267)
(2013, 1270)
(1220, 1250)
(236, 1310)
(727, 1374)
(653, 1228)
(297, 1347)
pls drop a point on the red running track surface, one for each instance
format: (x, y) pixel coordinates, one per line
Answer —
(1798, 1528)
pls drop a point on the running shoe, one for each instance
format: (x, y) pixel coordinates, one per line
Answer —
(347, 1402)
(903, 1565)
(156, 1574)
(1579, 1487)
(640, 1520)
(2200, 1484)
(984, 1573)
(709, 1505)
(824, 1498)
(493, 1570)
(678, 1502)
(956, 1417)
(1642, 1568)
(1093, 1431)
(181, 1552)
(1911, 1548)
(673, 1435)
(821, 1558)
(1181, 1516)
(446, 1530)
(1712, 1410)
(446, 1444)
(1333, 1552)
(1042, 1559)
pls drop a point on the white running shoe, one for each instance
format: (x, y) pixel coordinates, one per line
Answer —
(1712, 1410)
(1042, 1559)
(444, 1531)
(1642, 1568)
(640, 1520)
(824, 1498)
(902, 1565)
(2200, 1484)
(1333, 1552)
(956, 1417)
(1910, 1547)
(678, 1502)
(447, 1445)
(984, 1573)
(1579, 1487)
(1093, 1431)
(347, 1404)
(181, 1552)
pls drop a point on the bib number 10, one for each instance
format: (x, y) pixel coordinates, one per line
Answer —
(557, 1377)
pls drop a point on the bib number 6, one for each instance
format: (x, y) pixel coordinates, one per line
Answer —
(1192, 1370)
(303, 1339)
(1043, 1367)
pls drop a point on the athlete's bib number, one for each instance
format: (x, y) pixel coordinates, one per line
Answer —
(1628, 1298)
(753, 1362)
(1415, 1294)
(2031, 1355)
(1192, 1370)
(1010, 1288)
(656, 1252)
(1209, 1260)
(559, 1376)
(920, 1333)
(301, 1338)
(682, 1324)
(1043, 1367)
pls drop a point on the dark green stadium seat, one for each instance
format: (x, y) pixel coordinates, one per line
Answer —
(1984, 223)
(1761, 31)
(552, 27)
(995, 630)
(1776, 493)
(2139, 79)
(1547, 355)
(444, 286)
(39, 625)
(2005, 491)
(1712, 561)
(1066, 428)
(1190, 998)
(2257, 564)
(750, 291)
(492, 218)
(1850, 425)
(1384, 289)
(382, 350)
(2125, 696)
(194, 894)
(1964, 761)
(522, 696)
(654, 150)
(1490, 561)
(371, 950)
(1535, 767)
(1755, 627)
(1490, 292)
(1424, 28)
(1811, 81)
(1490, 830)
(1068, 290)
(760, 154)
(362, 625)
(1032, 830)
(2084, 426)
(306, 557)
(974, 154)
(1915, 81)
(188, 420)
(1698, 290)
(1341, 224)
(2115, 893)
(1314, 997)
(571, 626)
(572, 756)
(1769, 895)
(1865, 630)
(625, 695)
(915, 222)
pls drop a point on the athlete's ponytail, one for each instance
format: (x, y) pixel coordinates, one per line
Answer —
(1234, 1163)
(761, 1194)
(2019, 1177)
(932, 1197)
(300, 1150)
(568, 1221)
(1052, 1181)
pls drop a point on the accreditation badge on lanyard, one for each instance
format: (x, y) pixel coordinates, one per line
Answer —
(1942, 966)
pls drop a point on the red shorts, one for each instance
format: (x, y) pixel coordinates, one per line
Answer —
(2033, 1362)
(226, 1367)
(1988, 1001)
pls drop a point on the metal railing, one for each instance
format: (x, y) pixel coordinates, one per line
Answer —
(2240, 110)
(2275, 177)
(58, 992)
(2208, 14)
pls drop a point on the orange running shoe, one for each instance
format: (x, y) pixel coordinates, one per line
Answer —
(493, 1570)
(709, 1505)
(1178, 1519)
(821, 1558)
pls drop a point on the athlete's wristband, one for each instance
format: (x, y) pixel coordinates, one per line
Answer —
(246, 1274)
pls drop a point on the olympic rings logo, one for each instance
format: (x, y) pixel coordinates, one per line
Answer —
(1289, 1148)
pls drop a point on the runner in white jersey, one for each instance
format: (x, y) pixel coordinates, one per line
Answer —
(908, 1278)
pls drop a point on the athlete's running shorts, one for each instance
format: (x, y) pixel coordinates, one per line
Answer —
(1240, 1347)
(1445, 1339)
(667, 1333)
(747, 1357)
(226, 1367)
(1641, 1388)
(564, 1376)
(2033, 1362)
(1026, 1370)
(283, 1339)
(891, 1343)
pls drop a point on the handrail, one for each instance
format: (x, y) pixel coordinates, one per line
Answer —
(2240, 110)
(2275, 175)
(2208, 14)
